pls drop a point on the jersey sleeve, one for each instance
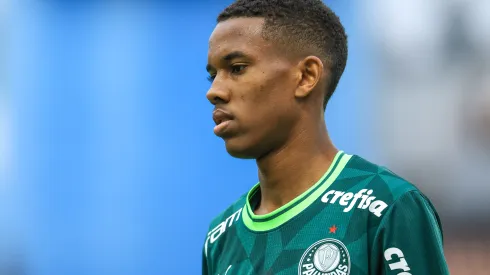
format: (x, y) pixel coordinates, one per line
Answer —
(204, 264)
(409, 239)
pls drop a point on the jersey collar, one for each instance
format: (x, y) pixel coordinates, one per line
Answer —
(288, 211)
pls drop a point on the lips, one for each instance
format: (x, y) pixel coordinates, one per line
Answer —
(223, 120)
(220, 116)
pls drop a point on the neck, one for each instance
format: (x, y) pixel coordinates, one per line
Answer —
(286, 173)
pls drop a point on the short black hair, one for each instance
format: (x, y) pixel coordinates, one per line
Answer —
(307, 25)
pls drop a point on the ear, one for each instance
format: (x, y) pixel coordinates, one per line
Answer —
(310, 72)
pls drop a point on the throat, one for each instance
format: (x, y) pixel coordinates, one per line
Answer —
(287, 174)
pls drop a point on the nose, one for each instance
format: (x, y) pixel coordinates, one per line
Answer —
(218, 94)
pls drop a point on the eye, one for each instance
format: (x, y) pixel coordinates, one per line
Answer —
(237, 69)
(211, 78)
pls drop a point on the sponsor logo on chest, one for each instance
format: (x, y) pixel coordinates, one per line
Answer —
(360, 200)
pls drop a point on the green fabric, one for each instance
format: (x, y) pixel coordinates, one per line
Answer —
(296, 206)
(365, 220)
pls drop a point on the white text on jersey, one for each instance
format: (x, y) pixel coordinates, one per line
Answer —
(401, 264)
(350, 199)
(214, 234)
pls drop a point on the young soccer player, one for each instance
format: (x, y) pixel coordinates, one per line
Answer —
(274, 64)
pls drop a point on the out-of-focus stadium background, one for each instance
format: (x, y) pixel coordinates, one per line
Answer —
(108, 163)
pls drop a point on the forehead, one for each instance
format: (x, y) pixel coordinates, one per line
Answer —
(238, 34)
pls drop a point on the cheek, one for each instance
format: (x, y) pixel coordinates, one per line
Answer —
(265, 110)
(268, 90)
(266, 98)
(262, 101)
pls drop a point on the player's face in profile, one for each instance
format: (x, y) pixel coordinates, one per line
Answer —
(252, 88)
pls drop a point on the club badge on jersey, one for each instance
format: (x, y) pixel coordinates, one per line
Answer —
(327, 256)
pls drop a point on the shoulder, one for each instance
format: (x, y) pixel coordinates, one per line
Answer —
(222, 222)
(365, 185)
(232, 210)
(377, 176)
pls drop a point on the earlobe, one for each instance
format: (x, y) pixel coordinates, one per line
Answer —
(311, 71)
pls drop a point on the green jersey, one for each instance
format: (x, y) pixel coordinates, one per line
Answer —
(359, 218)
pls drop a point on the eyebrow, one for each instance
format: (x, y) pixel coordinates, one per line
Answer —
(228, 58)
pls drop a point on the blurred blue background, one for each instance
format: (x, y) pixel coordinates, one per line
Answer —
(114, 167)
(108, 162)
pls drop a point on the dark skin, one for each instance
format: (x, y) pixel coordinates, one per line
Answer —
(269, 107)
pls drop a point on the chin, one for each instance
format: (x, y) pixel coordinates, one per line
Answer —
(238, 148)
